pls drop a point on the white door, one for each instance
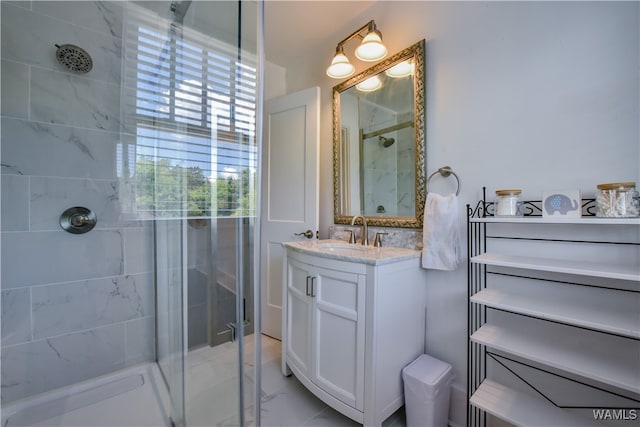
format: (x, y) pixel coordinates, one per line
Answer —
(289, 190)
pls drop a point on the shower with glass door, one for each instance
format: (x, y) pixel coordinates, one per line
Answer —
(129, 161)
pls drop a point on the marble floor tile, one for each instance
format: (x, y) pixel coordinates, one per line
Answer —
(331, 418)
(285, 401)
(291, 405)
(272, 379)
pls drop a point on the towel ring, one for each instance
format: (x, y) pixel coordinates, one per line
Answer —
(445, 171)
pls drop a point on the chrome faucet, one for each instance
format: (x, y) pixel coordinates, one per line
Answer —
(365, 231)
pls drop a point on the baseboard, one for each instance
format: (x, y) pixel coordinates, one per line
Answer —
(458, 405)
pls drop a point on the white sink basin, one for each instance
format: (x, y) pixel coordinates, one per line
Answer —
(342, 247)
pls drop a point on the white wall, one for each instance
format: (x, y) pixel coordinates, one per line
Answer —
(274, 81)
(531, 95)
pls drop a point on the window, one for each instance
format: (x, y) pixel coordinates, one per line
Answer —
(190, 102)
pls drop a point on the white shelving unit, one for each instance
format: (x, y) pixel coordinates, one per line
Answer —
(619, 314)
(568, 349)
(582, 268)
(546, 314)
(546, 220)
(521, 409)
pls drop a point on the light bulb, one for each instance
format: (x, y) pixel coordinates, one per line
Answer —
(340, 66)
(403, 69)
(371, 48)
(369, 85)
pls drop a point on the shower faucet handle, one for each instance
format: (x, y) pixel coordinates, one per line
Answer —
(78, 220)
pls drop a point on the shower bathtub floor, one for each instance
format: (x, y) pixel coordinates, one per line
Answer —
(132, 397)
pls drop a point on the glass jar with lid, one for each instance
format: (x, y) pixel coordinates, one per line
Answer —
(508, 203)
(617, 200)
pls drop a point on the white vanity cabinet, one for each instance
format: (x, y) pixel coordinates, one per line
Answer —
(325, 325)
(350, 326)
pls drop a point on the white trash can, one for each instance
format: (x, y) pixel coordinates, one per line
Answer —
(427, 385)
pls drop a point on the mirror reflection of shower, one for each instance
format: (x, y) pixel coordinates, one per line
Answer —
(179, 9)
(386, 142)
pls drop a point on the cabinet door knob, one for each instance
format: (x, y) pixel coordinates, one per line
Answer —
(307, 286)
(313, 286)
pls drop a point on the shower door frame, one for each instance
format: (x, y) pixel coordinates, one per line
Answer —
(177, 411)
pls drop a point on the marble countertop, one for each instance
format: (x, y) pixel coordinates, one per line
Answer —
(343, 251)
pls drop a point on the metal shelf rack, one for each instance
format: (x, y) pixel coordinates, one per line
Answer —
(554, 298)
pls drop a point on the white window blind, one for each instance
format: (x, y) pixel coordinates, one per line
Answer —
(190, 101)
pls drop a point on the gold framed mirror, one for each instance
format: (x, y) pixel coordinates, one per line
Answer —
(379, 150)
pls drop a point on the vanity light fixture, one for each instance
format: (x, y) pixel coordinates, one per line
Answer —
(371, 49)
(340, 66)
(369, 85)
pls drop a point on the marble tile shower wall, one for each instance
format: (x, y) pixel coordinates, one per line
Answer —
(73, 306)
(379, 162)
(389, 171)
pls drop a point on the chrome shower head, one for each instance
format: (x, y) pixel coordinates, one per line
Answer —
(386, 142)
(74, 58)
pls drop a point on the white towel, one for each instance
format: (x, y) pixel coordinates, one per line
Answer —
(441, 234)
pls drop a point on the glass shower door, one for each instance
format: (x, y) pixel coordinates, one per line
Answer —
(157, 86)
(190, 91)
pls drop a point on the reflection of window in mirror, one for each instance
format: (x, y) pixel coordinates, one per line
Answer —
(345, 170)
